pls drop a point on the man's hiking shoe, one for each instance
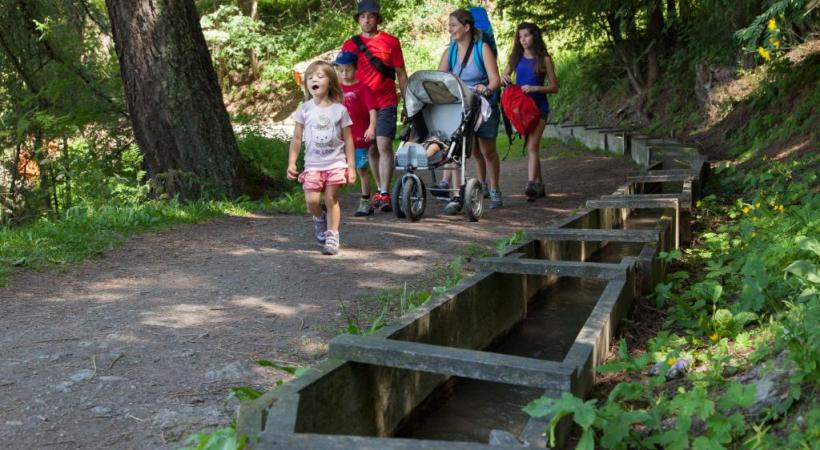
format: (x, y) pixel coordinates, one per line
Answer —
(495, 199)
(331, 243)
(452, 207)
(385, 203)
(485, 189)
(365, 208)
(320, 228)
(376, 201)
(540, 190)
(531, 191)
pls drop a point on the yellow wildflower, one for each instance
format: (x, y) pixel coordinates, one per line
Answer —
(714, 337)
(754, 234)
(772, 25)
(776, 43)
(764, 53)
(671, 360)
(745, 210)
(780, 208)
(757, 205)
(698, 204)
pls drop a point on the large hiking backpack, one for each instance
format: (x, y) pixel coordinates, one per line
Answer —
(520, 108)
(482, 22)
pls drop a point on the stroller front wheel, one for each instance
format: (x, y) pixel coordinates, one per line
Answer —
(413, 197)
(473, 200)
(395, 198)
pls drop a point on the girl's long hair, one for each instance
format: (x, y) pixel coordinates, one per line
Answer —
(334, 92)
(465, 18)
(539, 48)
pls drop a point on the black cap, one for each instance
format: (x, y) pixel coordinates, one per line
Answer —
(367, 6)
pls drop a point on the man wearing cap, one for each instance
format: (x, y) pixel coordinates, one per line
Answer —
(380, 65)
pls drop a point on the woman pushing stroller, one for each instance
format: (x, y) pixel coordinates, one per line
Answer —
(472, 60)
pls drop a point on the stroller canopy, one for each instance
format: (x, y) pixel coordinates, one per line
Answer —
(431, 87)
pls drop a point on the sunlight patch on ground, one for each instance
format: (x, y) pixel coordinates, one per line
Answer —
(124, 338)
(241, 252)
(787, 152)
(183, 316)
(267, 305)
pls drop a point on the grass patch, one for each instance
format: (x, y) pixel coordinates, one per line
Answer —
(84, 231)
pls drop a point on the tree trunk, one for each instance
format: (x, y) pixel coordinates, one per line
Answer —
(173, 97)
(250, 9)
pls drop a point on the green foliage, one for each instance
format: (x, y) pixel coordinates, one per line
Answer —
(233, 37)
(502, 245)
(774, 27)
(756, 288)
(219, 439)
(402, 301)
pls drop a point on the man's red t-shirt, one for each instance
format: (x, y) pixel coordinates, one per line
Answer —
(388, 49)
(359, 100)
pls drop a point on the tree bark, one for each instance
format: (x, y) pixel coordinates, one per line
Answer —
(173, 98)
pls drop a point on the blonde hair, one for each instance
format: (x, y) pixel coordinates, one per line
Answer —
(334, 93)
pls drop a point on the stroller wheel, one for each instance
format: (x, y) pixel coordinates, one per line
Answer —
(395, 196)
(413, 197)
(473, 200)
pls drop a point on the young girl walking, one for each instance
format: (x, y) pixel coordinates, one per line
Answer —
(532, 65)
(324, 123)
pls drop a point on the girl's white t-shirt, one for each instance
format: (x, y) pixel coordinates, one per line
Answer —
(324, 143)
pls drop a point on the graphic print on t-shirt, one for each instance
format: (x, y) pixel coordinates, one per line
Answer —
(323, 131)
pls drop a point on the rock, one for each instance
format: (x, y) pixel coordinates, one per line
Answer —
(231, 372)
(82, 375)
(101, 411)
(772, 382)
(503, 438)
(13, 423)
(64, 387)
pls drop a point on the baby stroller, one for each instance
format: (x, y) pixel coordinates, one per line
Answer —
(440, 109)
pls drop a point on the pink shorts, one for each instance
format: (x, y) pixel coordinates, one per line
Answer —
(317, 180)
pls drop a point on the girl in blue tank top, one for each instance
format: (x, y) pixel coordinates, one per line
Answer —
(533, 66)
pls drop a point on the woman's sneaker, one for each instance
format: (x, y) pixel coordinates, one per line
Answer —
(365, 208)
(531, 191)
(331, 243)
(320, 228)
(441, 189)
(452, 207)
(495, 199)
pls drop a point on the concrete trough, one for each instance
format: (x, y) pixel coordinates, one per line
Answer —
(592, 139)
(372, 386)
(608, 246)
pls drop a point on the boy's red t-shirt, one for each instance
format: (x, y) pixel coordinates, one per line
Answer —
(388, 49)
(359, 100)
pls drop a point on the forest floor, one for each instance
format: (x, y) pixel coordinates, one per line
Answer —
(140, 347)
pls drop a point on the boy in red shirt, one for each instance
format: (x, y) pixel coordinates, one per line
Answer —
(361, 105)
(380, 65)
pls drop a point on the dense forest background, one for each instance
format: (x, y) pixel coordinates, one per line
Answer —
(84, 161)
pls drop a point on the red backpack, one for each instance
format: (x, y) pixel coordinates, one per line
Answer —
(520, 108)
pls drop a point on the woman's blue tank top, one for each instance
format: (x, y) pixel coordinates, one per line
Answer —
(525, 75)
(471, 75)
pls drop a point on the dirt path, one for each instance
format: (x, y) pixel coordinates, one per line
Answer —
(141, 346)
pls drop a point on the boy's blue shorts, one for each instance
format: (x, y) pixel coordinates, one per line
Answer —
(361, 158)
